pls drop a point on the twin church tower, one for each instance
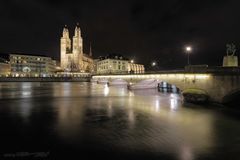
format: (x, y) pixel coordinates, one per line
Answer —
(72, 58)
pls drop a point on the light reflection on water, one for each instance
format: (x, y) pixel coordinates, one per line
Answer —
(100, 118)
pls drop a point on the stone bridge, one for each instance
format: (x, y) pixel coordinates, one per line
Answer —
(221, 87)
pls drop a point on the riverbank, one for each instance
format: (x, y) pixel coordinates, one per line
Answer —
(45, 79)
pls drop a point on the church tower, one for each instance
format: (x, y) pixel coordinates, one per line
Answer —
(65, 48)
(78, 48)
(72, 58)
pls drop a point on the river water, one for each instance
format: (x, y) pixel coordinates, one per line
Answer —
(93, 121)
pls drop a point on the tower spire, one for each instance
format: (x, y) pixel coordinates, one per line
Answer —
(77, 30)
(65, 32)
(90, 50)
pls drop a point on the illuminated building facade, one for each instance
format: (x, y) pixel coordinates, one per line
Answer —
(4, 67)
(135, 68)
(117, 64)
(30, 65)
(72, 58)
(112, 64)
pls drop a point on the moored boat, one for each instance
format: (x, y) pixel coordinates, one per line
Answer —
(118, 82)
(102, 81)
(94, 81)
(145, 84)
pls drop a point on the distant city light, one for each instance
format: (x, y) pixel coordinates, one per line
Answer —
(154, 63)
(132, 61)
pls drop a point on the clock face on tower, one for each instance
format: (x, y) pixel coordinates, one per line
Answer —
(26, 69)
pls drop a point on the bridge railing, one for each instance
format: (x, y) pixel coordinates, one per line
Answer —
(208, 70)
(224, 70)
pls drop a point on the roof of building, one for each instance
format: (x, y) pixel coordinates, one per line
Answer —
(3, 60)
(86, 55)
(113, 56)
(4, 57)
(23, 54)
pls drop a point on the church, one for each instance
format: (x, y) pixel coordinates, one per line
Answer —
(72, 58)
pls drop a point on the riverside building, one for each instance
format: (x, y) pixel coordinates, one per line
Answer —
(4, 67)
(117, 64)
(135, 68)
(21, 65)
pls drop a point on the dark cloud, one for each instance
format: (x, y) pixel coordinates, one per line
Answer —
(143, 30)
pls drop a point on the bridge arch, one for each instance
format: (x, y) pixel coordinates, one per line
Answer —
(232, 97)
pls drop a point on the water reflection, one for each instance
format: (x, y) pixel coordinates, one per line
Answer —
(106, 90)
(69, 118)
(111, 119)
(26, 90)
(157, 105)
(25, 108)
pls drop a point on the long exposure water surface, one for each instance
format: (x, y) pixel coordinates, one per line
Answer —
(87, 121)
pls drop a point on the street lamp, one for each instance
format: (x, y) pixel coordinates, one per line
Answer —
(132, 61)
(153, 64)
(188, 50)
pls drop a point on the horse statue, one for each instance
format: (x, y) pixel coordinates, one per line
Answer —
(231, 49)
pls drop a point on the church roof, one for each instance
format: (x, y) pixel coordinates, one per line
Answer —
(86, 55)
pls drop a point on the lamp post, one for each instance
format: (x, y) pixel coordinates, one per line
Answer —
(188, 50)
(154, 65)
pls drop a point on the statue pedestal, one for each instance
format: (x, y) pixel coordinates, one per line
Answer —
(230, 61)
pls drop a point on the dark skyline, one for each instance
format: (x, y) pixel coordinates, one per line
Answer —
(141, 30)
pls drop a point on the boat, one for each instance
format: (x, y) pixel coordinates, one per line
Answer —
(145, 84)
(94, 81)
(118, 82)
(102, 81)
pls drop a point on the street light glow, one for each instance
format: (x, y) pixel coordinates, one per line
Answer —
(153, 63)
(132, 61)
(188, 49)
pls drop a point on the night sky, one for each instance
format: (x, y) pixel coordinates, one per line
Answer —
(143, 30)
